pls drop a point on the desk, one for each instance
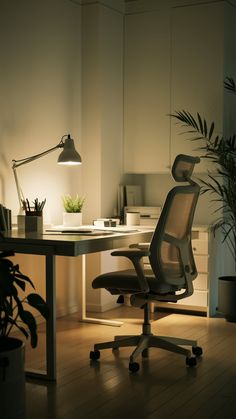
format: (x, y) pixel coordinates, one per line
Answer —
(52, 245)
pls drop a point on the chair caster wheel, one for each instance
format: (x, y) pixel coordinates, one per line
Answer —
(94, 355)
(133, 366)
(191, 362)
(197, 350)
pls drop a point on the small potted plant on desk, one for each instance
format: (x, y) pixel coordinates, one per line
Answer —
(72, 216)
(221, 184)
(14, 314)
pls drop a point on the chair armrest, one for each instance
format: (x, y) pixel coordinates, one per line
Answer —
(135, 256)
(140, 246)
(131, 253)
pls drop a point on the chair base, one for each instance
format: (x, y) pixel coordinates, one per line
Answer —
(145, 341)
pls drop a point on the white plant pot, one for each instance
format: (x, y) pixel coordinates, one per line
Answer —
(72, 219)
(12, 380)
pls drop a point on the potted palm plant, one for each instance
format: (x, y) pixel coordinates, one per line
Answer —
(221, 184)
(14, 316)
(72, 215)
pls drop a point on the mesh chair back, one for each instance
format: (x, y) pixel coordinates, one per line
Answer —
(171, 250)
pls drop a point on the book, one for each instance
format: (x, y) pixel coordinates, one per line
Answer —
(3, 222)
(5, 218)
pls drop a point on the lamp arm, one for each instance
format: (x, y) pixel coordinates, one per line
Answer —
(20, 194)
(18, 163)
(71, 156)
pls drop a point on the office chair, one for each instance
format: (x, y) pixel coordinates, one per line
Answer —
(172, 269)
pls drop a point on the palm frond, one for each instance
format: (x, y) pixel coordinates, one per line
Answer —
(229, 84)
(199, 125)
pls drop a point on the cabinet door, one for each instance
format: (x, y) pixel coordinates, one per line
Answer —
(147, 93)
(197, 71)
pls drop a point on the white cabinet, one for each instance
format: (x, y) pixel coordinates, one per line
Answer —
(199, 300)
(147, 92)
(175, 58)
(197, 72)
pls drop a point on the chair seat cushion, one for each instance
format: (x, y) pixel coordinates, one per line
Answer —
(126, 281)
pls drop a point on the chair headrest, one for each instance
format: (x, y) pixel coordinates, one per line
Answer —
(183, 167)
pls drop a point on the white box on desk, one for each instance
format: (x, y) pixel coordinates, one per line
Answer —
(149, 216)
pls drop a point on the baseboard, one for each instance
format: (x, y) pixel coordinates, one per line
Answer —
(93, 308)
(64, 311)
(98, 308)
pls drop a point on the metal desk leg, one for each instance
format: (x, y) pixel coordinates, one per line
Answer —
(82, 302)
(51, 323)
(50, 373)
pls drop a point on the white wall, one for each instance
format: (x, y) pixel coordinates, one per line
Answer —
(43, 65)
(40, 97)
(102, 108)
(40, 84)
(102, 129)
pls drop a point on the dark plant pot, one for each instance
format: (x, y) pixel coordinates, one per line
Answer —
(12, 378)
(227, 297)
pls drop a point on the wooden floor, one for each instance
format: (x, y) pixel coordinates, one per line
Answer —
(163, 387)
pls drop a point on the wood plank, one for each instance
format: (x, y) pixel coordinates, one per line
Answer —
(164, 387)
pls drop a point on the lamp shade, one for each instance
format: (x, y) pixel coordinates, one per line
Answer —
(69, 155)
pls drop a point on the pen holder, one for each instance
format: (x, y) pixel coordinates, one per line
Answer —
(30, 223)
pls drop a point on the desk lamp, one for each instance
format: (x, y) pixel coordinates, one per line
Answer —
(68, 156)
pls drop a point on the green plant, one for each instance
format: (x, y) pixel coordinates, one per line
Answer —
(221, 183)
(73, 204)
(12, 306)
